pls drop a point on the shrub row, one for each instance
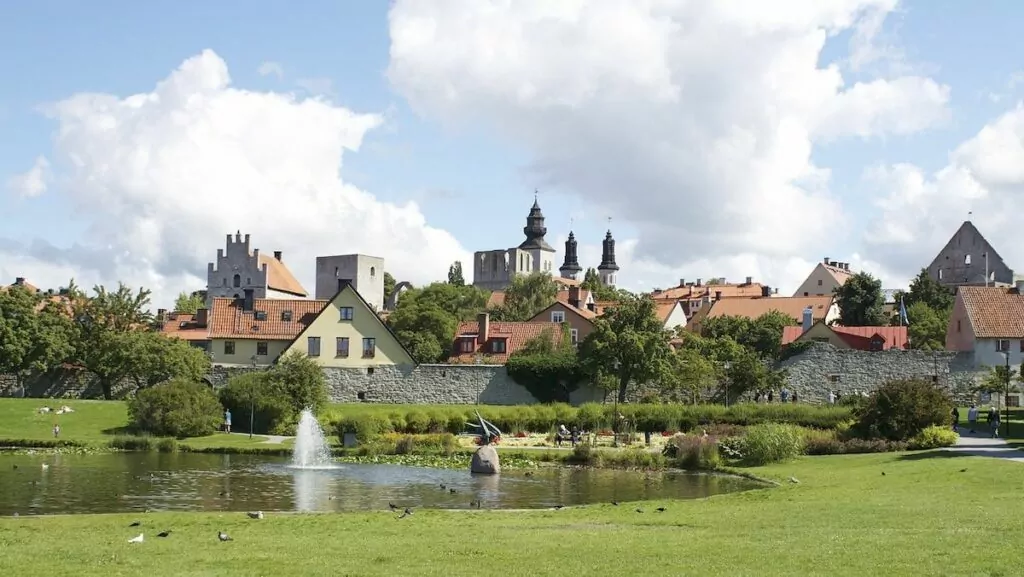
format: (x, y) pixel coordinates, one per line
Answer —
(589, 417)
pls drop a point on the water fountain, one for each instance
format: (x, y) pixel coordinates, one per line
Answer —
(311, 450)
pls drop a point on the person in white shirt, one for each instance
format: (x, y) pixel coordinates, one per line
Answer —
(831, 398)
(972, 417)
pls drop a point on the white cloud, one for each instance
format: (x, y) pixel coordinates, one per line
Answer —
(271, 68)
(694, 122)
(919, 212)
(159, 178)
(34, 182)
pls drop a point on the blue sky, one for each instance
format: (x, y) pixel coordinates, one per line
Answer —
(50, 50)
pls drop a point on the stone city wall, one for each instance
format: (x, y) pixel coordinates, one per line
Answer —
(66, 383)
(822, 367)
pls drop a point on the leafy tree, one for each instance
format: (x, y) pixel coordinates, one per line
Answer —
(927, 330)
(762, 335)
(525, 297)
(860, 301)
(900, 409)
(690, 373)
(153, 358)
(547, 367)
(455, 274)
(179, 408)
(34, 334)
(389, 285)
(425, 319)
(301, 380)
(189, 303)
(592, 283)
(591, 279)
(925, 289)
(629, 343)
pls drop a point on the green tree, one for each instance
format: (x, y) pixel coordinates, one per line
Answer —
(763, 335)
(389, 285)
(629, 343)
(591, 280)
(179, 408)
(301, 380)
(927, 329)
(189, 303)
(425, 319)
(455, 274)
(526, 296)
(547, 367)
(860, 301)
(925, 289)
(152, 358)
(690, 373)
(35, 335)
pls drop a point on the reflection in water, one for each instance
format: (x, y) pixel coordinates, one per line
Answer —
(122, 482)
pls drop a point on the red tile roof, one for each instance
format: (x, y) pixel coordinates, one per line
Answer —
(994, 312)
(586, 314)
(858, 337)
(753, 308)
(279, 278)
(515, 335)
(229, 321)
(496, 299)
(184, 326)
(664, 308)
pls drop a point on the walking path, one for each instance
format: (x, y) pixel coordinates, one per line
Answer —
(981, 445)
(268, 439)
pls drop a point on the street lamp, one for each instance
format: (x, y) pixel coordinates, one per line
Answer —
(615, 407)
(1006, 393)
(727, 365)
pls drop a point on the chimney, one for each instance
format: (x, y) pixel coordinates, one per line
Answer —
(1020, 287)
(808, 319)
(682, 282)
(698, 281)
(574, 296)
(248, 302)
(277, 255)
(202, 317)
(343, 282)
(718, 295)
(484, 322)
(825, 261)
(161, 314)
(20, 281)
(766, 291)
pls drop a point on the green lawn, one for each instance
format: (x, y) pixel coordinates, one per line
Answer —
(925, 516)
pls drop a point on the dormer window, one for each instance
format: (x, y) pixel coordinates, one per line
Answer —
(286, 316)
(466, 345)
(498, 346)
(261, 315)
(877, 344)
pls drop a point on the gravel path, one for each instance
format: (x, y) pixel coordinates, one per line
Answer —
(981, 445)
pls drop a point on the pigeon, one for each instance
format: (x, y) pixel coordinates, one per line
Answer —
(406, 513)
(222, 536)
(557, 507)
(164, 533)
(138, 539)
(639, 510)
(883, 473)
(392, 506)
(794, 480)
(616, 503)
(135, 523)
(255, 514)
(660, 509)
(443, 486)
(452, 491)
(963, 470)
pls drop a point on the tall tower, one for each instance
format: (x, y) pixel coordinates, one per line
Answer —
(571, 267)
(608, 268)
(542, 253)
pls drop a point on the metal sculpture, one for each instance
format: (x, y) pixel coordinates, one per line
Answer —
(487, 430)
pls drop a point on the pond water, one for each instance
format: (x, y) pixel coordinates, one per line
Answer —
(125, 482)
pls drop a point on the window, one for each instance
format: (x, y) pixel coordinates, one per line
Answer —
(967, 260)
(346, 313)
(574, 335)
(876, 344)
(286, 316)
(958, 326)
(361, 395)
(313, 346)
(225, 281)
(229, 347)
(237, 282)
(498, 346)
(261, 315)
(940, 274)
(369, 347)
(1003, 346)
(373, 271)
(1012, 400)
(558, 316)
(248, 280)
(466, 345)
(833, 378)
(261, 348)
(369, 370)
(805, 294)
(819, 282)
(341, 347)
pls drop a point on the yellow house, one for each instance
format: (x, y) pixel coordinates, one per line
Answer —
(254, 332)
(348, 333)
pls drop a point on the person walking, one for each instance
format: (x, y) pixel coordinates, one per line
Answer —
(784, 394)
(831, 398)
(771, 395)
(56, 430)
(956, 420)
(972, 418)
(993, 421)
(227, 421)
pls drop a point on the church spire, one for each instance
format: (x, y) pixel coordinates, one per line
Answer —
(608, 268)
(535, 229)
(571, 267)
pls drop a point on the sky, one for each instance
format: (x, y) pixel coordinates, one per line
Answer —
(726, 139)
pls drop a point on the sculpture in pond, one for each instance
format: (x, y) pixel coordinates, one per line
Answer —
(488, 431)
(485, 459)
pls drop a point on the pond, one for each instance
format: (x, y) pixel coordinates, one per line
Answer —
(125, 482)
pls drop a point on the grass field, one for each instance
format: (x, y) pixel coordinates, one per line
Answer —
(924, 516)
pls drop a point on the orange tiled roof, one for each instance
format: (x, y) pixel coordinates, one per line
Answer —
(566, 282)
(23, 284)
(184, 326)
(752, 290)
(664, 308)
(840, 274)
(496, 299)
(229, 321)
(994, 312)
(279, 278)
(753, 308)
(858, 337)
(516, 335)
(586, 314)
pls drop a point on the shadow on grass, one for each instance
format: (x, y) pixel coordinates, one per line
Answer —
(934, 454)
(124, 430)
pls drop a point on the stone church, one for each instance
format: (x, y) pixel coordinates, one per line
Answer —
(494, 270)
(239, 268)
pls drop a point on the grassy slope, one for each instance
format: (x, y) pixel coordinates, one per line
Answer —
(924, 517)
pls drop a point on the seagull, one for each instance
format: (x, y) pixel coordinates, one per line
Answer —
(255, 514)
(138, 539)
(557, 507)
(135, 523)
(392, 506)
(660, 509)
(223, 536)
(616, 503)
(794, 480)
(45, 466)
(406, 513)
(166, 533)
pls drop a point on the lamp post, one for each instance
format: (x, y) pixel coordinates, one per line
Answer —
(615, 407)
(1006, 393)
(727, 365)
(252, 403)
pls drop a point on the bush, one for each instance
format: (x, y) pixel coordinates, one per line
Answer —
(177, 408)
(899, 410)
(773, 443)
(277, 396)
(694, 452)
(934, 437)
(367, 428)
(131, 443)
(441, 443)
(837, 446)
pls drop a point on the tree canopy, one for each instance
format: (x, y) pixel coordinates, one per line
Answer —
(189, 303)
(35, 334)
(763, 335)
(525, 297)
(592, 283)
(389, 285)
(860, 301)
(425, 319)
(455, 274)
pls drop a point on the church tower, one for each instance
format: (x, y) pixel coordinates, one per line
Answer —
(542, 253)
(571, 267)
(608, 268)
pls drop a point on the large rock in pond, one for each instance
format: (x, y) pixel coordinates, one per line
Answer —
(485, 461)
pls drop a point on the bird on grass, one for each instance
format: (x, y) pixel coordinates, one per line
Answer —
(139, 539)
(529, 473)
(660, 509)
(222, 536)
(794, 480)
(443, 486)
(963, 470)
(558, 507)
(639, 510)
(46, 467)
(406, 513)
(616, 503)
(15, 466)
(883, 473)
(166, 533)
(255, 514)
(392, 506)
(452, 491)
(135, 523)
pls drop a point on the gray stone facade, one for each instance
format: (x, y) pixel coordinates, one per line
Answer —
(64, 383)
(822, 367)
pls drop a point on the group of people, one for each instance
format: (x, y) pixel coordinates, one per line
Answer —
(565, 434)
(991, 418)
(768, 396)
